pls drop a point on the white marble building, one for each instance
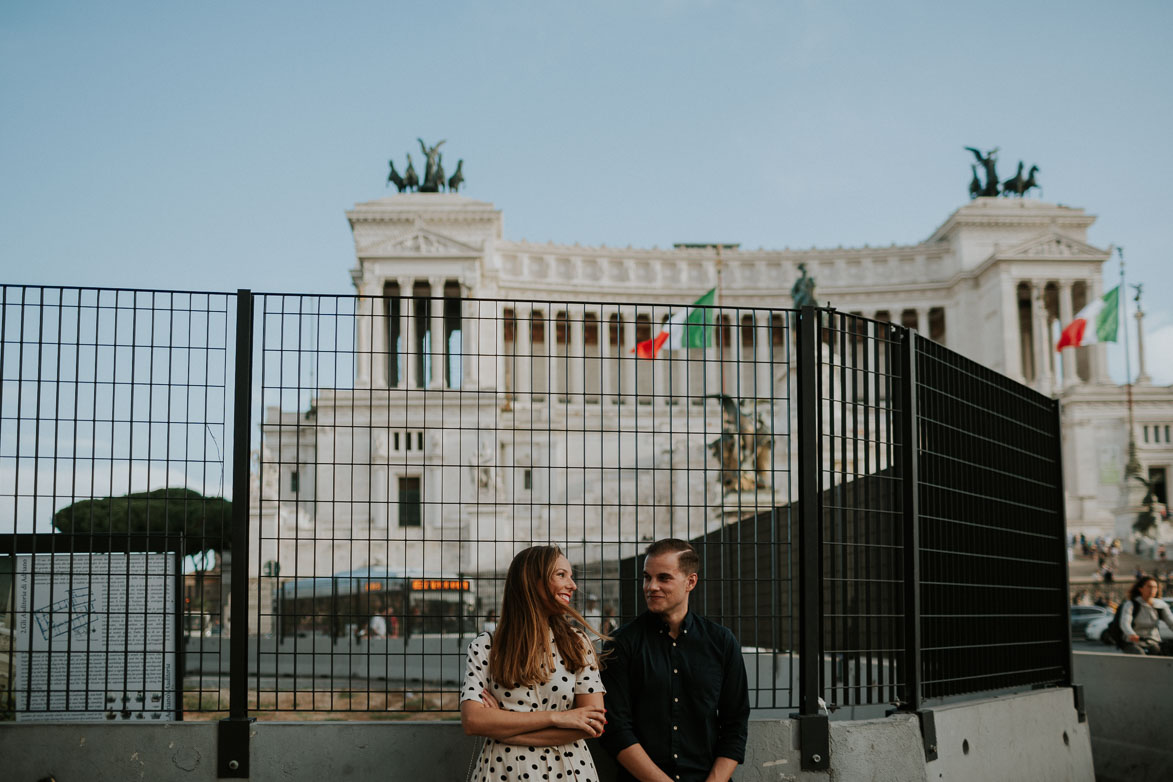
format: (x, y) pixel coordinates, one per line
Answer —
(538, 424)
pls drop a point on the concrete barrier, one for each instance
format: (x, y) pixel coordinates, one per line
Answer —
(1129, 701)
(1034, 737)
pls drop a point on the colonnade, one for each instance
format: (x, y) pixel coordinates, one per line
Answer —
(1041, 304)
(401, 339)
(586, 352)
(574, 351)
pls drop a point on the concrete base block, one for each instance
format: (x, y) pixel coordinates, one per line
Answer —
(1014, 738)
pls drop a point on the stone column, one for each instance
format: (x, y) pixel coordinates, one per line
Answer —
(1011, 353)
(436, 327)
(494, 346)
(377, 328)
(470, 343)
(575, 352)
(605, 354)
(627, 358)
(1142, 375)
(363, 312)
(922, 321)
(762, 370)
(406, 331)
(523, 349)
(1067, 357)
(1042, 340)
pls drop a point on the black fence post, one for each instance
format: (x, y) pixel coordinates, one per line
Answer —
(233, 741)
(1061, 525)
(907, 432)
(813, 726)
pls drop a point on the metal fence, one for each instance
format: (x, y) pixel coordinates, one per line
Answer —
(313, 499)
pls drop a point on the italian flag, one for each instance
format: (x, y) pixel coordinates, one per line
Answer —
(689, 328)
(1097, 322)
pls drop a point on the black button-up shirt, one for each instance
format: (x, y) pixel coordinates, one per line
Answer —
(684, 700)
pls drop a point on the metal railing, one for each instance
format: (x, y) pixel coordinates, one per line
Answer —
(879, 519)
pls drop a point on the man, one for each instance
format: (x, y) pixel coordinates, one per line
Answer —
(677, 699)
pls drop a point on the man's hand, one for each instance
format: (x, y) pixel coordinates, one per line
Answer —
(635, 759)
(722, 770)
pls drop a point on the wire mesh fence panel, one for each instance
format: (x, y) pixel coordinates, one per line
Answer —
(112, 518)
(405, 447)
(412, 443)
(992, 534)
(862, 511)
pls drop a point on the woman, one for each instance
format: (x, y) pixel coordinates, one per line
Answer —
(1139, 617)
(533, 688)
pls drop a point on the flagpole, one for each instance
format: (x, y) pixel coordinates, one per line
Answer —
(1133, 466)
(721, 346)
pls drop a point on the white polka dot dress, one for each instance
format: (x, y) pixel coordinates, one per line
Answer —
(500, 762)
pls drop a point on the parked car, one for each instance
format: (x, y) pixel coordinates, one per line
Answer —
(1097, 627)
(1082, 615)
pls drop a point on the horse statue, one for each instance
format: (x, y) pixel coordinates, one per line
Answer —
(1030, 183)
(1013, 186)
(457, 177)
(410, 178)
(393, 176)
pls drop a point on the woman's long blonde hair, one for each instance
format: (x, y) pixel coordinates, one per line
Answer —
(520, 654)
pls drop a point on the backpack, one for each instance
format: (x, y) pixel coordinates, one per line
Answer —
(1114, 633)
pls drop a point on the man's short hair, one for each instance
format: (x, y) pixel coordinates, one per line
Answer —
(688, 560)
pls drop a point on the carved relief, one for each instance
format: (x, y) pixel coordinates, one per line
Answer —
(420, 242)
(564, 269)
(617, 271)
(538, 268)
(590, 269)
(512, 265)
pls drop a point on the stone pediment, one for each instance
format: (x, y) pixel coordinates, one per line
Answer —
(417, 242)
(1053, 246)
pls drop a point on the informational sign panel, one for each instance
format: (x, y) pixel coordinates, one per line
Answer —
(94, 637)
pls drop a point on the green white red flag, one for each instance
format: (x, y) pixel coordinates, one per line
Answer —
(689, 328)
(1097, 322)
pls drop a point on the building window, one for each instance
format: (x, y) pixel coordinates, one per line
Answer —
(615, 331)
(561, 330)
(643, 328)
(527, 479)
(1158, 485)
(419, 441)
(747, 331)
(392, 309)
(410, 506)
(777, 330)
(590, 329)
(294, 482)
(509, 321)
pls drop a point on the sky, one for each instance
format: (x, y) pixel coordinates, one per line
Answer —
(217, 145)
